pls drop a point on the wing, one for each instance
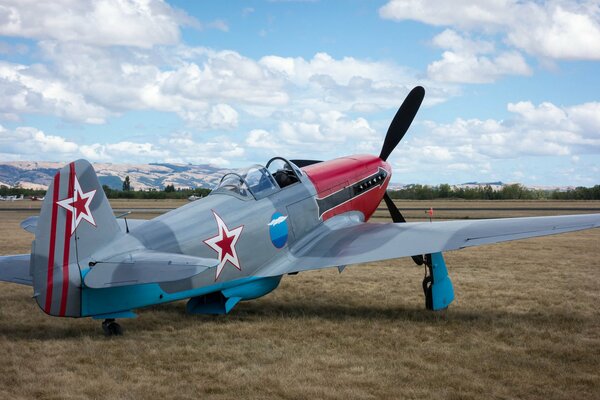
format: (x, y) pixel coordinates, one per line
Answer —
(145, 267)
(349, 241)
(15, 269)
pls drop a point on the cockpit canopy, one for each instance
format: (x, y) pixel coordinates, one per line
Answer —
(258, 181)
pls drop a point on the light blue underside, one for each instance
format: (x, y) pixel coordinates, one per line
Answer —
(117, 300)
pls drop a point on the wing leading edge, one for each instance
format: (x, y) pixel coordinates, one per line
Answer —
(346, 240)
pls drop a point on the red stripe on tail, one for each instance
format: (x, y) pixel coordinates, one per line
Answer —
(51, 250)
(67, 245)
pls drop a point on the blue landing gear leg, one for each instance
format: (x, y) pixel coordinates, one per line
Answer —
(437, 286)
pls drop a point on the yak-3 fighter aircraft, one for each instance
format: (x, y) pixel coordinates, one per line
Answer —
(238, 242)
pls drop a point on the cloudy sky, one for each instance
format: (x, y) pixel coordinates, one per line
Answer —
(513, 87)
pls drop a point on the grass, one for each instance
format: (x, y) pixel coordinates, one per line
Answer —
(525, 324)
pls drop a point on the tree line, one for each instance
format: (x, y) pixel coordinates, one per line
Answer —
(168, 192)
(508, 192)
(127, 192)
(410, 192)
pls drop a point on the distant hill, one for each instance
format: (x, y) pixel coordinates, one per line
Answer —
(38, 175)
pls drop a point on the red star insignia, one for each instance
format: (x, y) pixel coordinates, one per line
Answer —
(224, 244)
(78, 205)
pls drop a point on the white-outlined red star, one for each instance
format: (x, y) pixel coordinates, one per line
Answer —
(78, 205)
(224, 244)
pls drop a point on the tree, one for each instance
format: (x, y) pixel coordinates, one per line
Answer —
(126, 184)
(107, 191)
(170, 188)
(445, 190)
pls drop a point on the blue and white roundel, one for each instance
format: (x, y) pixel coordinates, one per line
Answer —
(278, 230)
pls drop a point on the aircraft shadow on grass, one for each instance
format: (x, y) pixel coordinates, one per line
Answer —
(174, 314)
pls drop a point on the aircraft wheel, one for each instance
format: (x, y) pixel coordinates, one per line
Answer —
(111, 328)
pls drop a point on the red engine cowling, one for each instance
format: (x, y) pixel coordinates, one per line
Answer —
(353, 183)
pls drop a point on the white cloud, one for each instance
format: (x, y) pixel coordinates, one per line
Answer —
(450, 39)
(463, 62)
(33, 90)
(307, 134)
(342, 71)
(140, 23)
(553, 29)
(28, 142)
(327, 128)
(210, 90)
(542, 130)
(559, 31)
(471, 68)
(124, 150)
(218, 151)
(89, 84)
(260, 138)
(461, 13)
(85, 75)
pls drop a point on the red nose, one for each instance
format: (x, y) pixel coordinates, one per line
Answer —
(353, 183)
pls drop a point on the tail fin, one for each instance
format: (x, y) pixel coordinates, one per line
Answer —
(76, 219)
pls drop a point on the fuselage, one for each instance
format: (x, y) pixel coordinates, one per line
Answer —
(246, 234)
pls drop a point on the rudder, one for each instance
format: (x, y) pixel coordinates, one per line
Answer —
(76, 219)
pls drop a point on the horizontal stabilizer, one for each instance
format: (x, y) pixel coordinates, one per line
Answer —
(130, 223)
(15, 269)
(145, 267)
(30, 224)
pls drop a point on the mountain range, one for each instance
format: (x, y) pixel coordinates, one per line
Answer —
(39, 174)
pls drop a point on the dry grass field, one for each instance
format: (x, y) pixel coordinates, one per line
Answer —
(525, 324)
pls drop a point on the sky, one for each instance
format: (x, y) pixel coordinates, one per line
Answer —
(512, 87)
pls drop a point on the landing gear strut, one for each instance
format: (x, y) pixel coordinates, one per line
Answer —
(437, 286)
(428, 283)
(111, 328)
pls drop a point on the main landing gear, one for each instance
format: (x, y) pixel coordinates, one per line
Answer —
(437, 286)
(111, 327)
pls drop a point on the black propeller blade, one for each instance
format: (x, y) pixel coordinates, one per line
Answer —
(394, 212)
(402, 120)
(400, 124)
(398, 217)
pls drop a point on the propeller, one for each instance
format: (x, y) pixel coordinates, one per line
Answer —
(398, 128)
(402, 120)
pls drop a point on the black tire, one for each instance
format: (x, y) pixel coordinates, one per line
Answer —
(115, 329)
(111, 328)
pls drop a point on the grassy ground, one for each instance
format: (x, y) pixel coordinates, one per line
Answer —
(525, 324)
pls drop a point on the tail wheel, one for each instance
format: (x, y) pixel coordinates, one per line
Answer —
(111, 328)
